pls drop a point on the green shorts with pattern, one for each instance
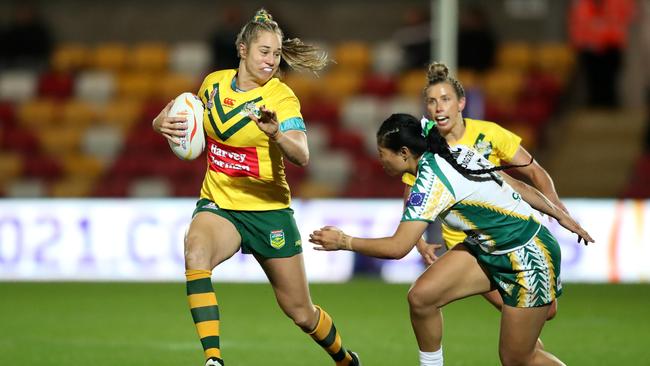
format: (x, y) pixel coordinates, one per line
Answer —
(269, 234)
(528, 276)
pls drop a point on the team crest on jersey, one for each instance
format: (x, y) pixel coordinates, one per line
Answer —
(250, 108)
(277, 239)
(416, 199)
(484, 148)
(211, 98)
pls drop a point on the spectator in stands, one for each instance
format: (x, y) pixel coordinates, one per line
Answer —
(414, 38)
(253, 125)
(224, 51)
(476, 40)
(598, 30)
(27, 41)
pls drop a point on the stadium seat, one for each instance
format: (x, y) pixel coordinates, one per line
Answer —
(332, 169)
(315, 189)
(78, 165)
(339, 84)
(352, 56)
(149, 57)
(190, 58)
(19, 140)
(136, 85)
(412, 83)
(69, 187)
(95, 86)
(503, 85)
(69, 57)
(515, 56)
(40, 165)
(37, 113)
(556, 58)
(58, 140)
(150, 187)
(121, 113)
(361, 113)
(18, 85)
(318, 137)
(110, 57)
(26, 188)
(11, 165)
(78, 114)
(7, 112)
(57, 85)
(379, 85)
(387, 58)
(103, 142)
(401, 104)
(304, 85)
(168, 86)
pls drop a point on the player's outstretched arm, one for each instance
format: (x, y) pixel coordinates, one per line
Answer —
(395, 247)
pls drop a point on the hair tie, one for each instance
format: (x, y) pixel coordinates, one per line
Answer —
(427, 125)
(262, 17)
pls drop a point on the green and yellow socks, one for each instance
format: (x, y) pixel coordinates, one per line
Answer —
(205, 311)
(326, 335)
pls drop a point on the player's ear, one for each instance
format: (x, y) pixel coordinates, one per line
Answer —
(461, 104)
(404, 152)
(242, 50)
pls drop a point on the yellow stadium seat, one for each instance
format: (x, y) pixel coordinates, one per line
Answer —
(527, 134)
(80, 165)
(555, 58)
(150, 57)
(136, 85)
(468, 78)
(37, 113)
(59, 141)
(78, 113)
(515, 55)
(412, 83)
(68, 187)
(169, 86)
(69, 57)
(110, 56)
(503, 85)
(340, 84)
(303, 85)
(353, 55)
(11, 166)
(122, 113)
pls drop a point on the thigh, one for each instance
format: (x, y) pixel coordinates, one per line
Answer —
(455, 275)
(520, 328)
(289, 281)
(210, 240)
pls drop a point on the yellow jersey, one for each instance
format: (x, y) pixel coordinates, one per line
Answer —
(245, 171)
(494, 143)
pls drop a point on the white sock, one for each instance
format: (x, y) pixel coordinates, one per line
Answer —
(431, 358)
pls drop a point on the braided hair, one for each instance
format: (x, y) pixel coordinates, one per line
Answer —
(404, 130)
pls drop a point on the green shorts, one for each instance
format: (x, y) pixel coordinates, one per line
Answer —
(528, 276)
(269, 234)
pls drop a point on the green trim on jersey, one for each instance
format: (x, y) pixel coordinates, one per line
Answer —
(430, 159)
(509, 231)
(224, 117)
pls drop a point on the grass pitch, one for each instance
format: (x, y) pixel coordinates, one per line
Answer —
(110, 324)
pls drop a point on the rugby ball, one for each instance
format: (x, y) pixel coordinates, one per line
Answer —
(189, 106)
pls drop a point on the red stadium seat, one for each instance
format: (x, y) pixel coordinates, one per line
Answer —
(57, 85)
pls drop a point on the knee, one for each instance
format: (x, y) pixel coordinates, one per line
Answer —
(303, 317)
(197, 254)
(421, 300)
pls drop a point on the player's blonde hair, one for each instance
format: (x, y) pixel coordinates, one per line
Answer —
(437, 73)
(298, 55)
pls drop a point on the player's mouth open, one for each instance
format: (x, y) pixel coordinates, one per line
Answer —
(268, 69)
(442, 119)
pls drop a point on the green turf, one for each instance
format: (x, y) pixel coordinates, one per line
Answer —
(148, 324)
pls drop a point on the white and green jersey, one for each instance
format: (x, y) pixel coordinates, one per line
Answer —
(484, 207)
